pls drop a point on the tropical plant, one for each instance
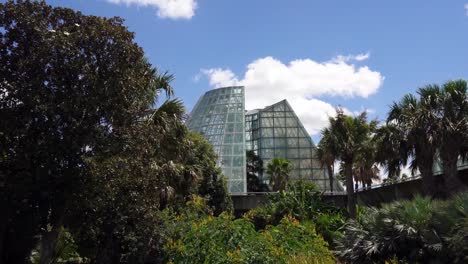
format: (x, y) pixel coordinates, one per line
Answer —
(194, 236)
(365, 169)
(254, 168)
(304, 202)
(326, 154)
(279, 169)
(347, 137)
(452, 123)
(429, 127)
(417, 231)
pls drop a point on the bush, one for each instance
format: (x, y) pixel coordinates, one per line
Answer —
(303, 202)
(194, 235)
(417, 231)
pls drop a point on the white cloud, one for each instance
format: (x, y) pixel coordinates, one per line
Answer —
(359, 57)
(174, 9)
(466, 9)
(219, 77)
(268, 80)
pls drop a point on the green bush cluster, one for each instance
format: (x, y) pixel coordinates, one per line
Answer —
(194, 235)
(417, 231)
(303, 202)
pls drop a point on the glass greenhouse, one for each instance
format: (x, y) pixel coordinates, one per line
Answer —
(275, 131)
(219, 117)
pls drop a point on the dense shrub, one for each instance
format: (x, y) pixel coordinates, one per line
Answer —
(303, 202)
(417, 231)
(194, 235)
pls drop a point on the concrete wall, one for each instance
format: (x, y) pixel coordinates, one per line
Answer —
(370, 197)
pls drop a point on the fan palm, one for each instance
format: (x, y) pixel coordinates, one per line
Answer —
(453, 125)
(347, 136)
(279, 169)
(326, 154)
(415, 122)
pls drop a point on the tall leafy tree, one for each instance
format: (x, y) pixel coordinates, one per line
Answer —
(279, 169)
(347, 136)
(453, 130)
(78, 132)
(68, 81)
(417, 123)
(428, 127)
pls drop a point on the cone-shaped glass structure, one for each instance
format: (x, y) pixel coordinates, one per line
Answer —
(219, 117)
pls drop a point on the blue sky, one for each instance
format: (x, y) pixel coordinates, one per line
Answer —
(361, 54)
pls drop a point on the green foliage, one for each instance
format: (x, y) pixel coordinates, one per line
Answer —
(349, 140)
(279, 169)
(84, 142)
(254, 168)
(66, 250)
(193, 236)
(303, 202)
(418, 231)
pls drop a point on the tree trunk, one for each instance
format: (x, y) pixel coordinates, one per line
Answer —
(48, 245)
(330, 177)
(49, 238)
(427, 174)
(452, 183)
(350, 189)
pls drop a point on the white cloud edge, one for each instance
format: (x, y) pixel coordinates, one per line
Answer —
(172, 9)
(265, 79)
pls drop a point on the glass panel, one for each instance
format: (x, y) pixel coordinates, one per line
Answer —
(291, 122)
(267, 143)
(267, 153)
(267, 132)
(292, 153)
(293, 142)
(238, 161)
(280, 132)
(291, 132)
(238, 149)
(227, 150)
(280, 142)
(305, 153)
(280, 122)
(238, 138)
(267, 122)
(280, 153)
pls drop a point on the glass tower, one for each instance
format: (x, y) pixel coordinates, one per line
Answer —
(276, 132)
(219, 117)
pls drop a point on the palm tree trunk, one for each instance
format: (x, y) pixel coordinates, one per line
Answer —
(350, 189)
(330, 177)
(427, 174)
(452, 183)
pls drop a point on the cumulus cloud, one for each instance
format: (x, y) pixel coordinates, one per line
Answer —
(268, 80)
(174, 9)
(466, 9)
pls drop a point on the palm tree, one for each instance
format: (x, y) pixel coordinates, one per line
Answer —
(453, 125)
(415, 121)
(347, 136)
(365, 168)
(279, 169)
(326, 154)
(392, 151)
